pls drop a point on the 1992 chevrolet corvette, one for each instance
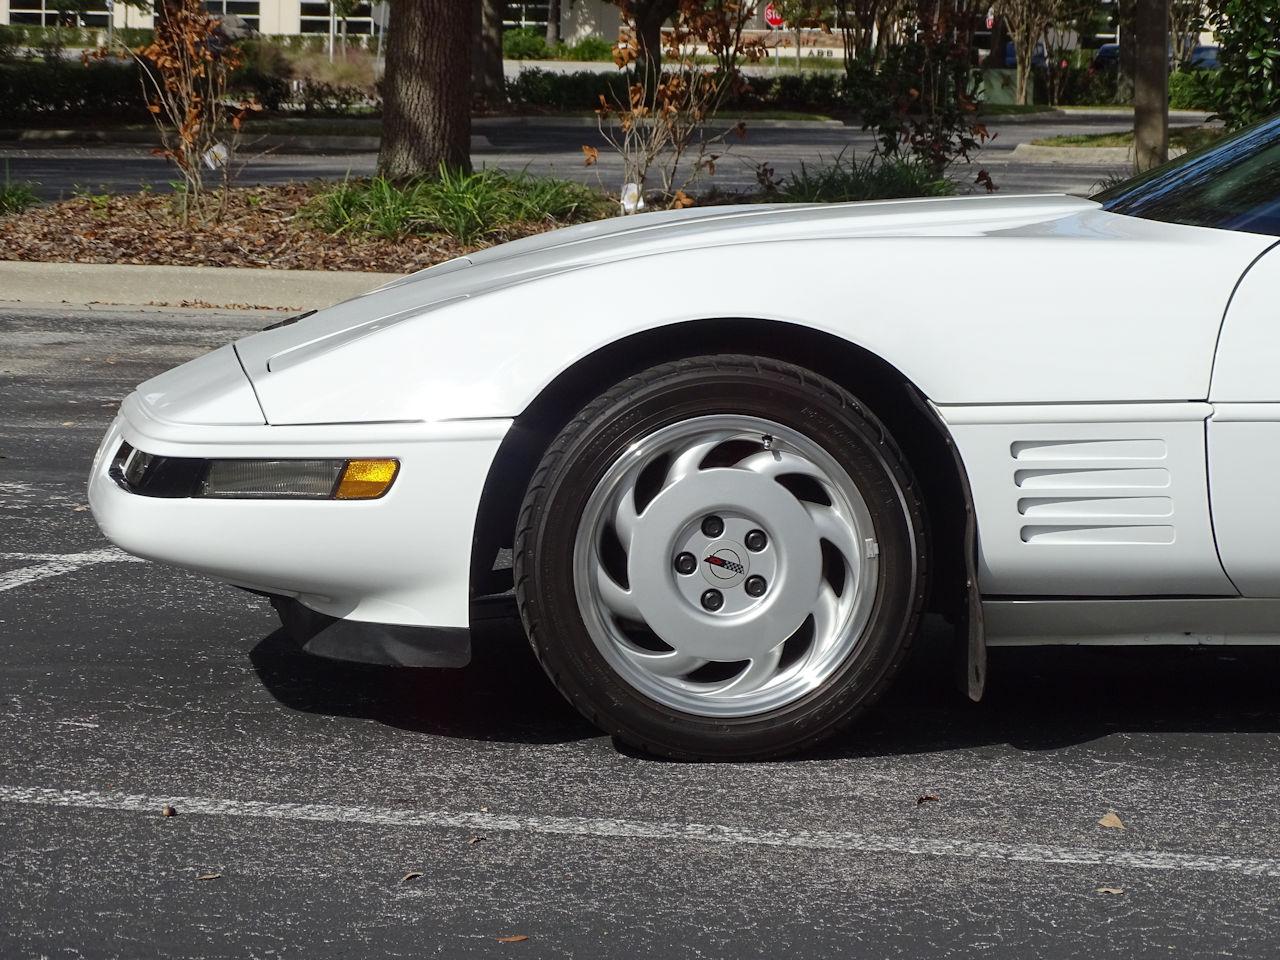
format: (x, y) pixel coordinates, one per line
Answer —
(735, 454)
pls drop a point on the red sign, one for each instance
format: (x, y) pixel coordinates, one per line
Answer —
(772, 17)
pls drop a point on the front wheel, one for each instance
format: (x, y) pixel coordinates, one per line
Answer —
(721, 558)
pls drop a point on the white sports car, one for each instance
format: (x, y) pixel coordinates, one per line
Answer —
(727, 458)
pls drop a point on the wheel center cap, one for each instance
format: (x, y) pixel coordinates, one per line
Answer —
(725, 564)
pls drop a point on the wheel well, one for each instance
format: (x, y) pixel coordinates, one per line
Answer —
(879, 385)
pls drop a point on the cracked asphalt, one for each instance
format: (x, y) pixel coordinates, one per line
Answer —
(311, 789)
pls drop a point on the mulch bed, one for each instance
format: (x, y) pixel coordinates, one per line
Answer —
(262, 227)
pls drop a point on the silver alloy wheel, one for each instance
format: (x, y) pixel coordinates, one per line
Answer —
(768, 613)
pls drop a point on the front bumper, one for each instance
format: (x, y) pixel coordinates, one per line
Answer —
(403, 559)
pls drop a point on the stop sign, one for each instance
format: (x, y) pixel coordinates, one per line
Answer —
(772, 17)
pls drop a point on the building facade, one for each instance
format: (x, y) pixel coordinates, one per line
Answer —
(289, 17)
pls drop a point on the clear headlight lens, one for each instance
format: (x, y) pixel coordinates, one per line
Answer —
(252, 479)
(271, 479)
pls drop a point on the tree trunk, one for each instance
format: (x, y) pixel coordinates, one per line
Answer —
(1151, 86)
(1126, 25)
(650, 16)
(1024, 76)
(488, 83)
(553, 22)
(426, 109)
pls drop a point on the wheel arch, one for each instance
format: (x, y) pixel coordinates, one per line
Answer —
(885, 390)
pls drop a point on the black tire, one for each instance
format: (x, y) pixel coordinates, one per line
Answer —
(586, 447)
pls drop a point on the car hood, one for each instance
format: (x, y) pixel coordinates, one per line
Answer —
(980, 300)
(624, 238)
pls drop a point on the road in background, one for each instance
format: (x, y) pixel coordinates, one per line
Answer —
(349, 811)
(556, 149)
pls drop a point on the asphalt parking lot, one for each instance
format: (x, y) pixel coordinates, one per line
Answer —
(343, 811)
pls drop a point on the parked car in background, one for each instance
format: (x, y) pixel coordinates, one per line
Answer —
(1011, 55)
(1204, 58)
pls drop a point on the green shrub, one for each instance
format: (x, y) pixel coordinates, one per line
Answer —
(1079, 86)
(589, 48)
(331, 99)
(264, 73)
(580, 90)
(1192, 89)
(34, 90)
(15, 197)
(469, 207)
(1247, 85)
(10, 41)
(812, 91)
(874, 178)
(525, 43)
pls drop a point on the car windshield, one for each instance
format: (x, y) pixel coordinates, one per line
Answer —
(1233, 185)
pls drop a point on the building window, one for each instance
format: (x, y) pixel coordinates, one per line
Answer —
(39, 13)
(315, 19)
(247, 10)
(526, 13)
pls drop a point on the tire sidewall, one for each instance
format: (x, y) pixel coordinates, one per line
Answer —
(636, 408)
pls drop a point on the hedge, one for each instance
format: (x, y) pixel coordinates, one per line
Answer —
(35, 90)
(820, 91)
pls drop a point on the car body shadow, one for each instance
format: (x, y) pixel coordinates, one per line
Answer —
(1051, 698)
(502, 695)
(1038, 699)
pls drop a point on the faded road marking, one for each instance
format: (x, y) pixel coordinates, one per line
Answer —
(56, 564)
(642, 830)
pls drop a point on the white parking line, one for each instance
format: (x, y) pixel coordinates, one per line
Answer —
(642, 830)
(56, 564)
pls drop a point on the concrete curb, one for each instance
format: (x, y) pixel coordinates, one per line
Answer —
(1040, 116)
(1031, 153)
(202, 287)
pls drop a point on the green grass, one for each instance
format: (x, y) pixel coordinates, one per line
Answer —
(15, 197)
(874, 178)
(468, 207)
(1189, 138)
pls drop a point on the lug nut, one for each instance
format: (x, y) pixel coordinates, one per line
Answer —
(755, 586)
(686, 563)
(755, 541)
(712, 526)
(713, 600)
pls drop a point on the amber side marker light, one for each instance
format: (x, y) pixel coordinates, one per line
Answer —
(366, 479)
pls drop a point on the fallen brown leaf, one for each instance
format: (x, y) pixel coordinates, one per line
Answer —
(1111, 821)
(926, 798)
(263, 232)
(475, 839)
(209, 876)
(1114, 891)
(168, 811)
(411, 875)
(80, 509)
(514, 938)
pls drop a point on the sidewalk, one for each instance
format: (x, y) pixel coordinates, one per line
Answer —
(83, 284)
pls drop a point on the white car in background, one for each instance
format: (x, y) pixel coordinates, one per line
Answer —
(735, 454)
